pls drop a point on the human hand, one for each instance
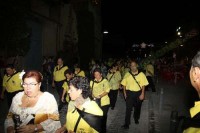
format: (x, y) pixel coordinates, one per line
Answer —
(2, 96)
(26, 129)
(98, 97)
(61, 130)
(63, 99)
(53, 85)
(141, 97)
(10, 130)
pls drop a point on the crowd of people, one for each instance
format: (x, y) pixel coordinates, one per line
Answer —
(87, 95)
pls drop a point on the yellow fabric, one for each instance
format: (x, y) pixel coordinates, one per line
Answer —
(130, 84)
(196, 109)
(39, 118)
(193, 111)
(192, 130)
(5, 78)
(99, 88)
(14, 83)
(58, 73)
(66, 87)
(124, 71)
(81, 73)
(114, 80)
(83, 126)
(149, 68)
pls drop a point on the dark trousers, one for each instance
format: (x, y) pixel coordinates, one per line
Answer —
(59, 90)
(10, 96)
(104, 118)
(113, 97)
(151, 84)
(133, 100)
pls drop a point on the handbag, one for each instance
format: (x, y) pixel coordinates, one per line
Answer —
(93, 120)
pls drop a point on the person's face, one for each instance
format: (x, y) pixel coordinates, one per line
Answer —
(115, 68)
(97, 75)
(69, 76)
(31, 86)
(194, 78)
(77, 69)
(9, 71)
(60, 62)
(133, 66)
(74, 93)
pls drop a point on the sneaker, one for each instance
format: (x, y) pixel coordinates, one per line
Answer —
(125, 126)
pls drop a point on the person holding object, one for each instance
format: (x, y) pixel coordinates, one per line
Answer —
(100, 89)
(32, 110)
(83, 114)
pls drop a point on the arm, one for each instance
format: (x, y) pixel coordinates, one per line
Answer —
(53, 83)
(10, 129)
(2, 93)
(52, 123)
(141, 97)
(103, 94)
(61, 130)
(63, 95)
(106, 89)
(30, 128)
(124, 91)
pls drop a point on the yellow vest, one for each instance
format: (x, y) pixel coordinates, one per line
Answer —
(81, 73)
(149, 68)
(193, 111)
(5, 78)
(12, 83)
(114, 80)
(58, 73)
(73, 115)
(130, 84)
(66, 87)
(99, 88)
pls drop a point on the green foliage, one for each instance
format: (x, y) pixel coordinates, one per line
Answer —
(162, 51)
(14, 32)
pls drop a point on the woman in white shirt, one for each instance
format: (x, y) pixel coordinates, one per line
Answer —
(32, 110)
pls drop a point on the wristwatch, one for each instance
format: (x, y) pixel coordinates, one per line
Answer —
(36, 129)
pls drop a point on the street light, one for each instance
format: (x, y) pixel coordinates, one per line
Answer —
(105, 32)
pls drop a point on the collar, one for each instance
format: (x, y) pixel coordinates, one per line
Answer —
(95, 80)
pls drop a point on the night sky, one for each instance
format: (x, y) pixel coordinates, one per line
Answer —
(147, 21)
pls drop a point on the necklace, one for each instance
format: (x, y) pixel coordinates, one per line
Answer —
(33, 97)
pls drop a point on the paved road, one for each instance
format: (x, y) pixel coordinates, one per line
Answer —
(156, 109)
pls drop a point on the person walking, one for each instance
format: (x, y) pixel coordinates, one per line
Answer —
(150, 76)
(59, 78)
(100, 89)
(11, 83)
(133, 83)
(114, 78)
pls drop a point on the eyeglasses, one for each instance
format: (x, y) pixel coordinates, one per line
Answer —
(30, 84)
